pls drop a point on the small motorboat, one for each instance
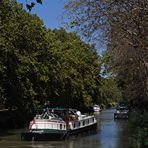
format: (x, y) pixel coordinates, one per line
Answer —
(121, 112)
(58, 124)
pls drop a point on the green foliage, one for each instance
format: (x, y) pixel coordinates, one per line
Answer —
(75, 68)
(121, 26)
(139, 129)
(21, 44)
(109, 91)
(37, 64)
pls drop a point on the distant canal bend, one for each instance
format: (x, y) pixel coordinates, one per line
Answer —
(110, 134)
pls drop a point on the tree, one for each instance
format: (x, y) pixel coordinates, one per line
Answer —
(21, 44)
(109, 92)
(122, 26)
(75, 67)
(38, 64)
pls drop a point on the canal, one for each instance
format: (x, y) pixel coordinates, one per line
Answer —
(109, 134)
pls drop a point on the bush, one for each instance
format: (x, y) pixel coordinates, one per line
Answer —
(139, 128)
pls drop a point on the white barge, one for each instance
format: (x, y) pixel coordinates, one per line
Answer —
(58, 124)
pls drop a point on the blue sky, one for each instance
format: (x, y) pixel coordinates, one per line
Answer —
(50, 12)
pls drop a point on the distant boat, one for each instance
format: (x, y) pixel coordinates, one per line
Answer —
(96, 108)
(58, 124)
(122, 112)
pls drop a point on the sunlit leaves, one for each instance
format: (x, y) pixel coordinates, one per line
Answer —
(76, 67)
(38, 64)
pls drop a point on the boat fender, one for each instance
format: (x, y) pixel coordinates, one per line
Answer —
(70, 125)
(78, 113)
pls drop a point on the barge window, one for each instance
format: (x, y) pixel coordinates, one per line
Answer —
(79, 124)
(60, 126)
(83, 123)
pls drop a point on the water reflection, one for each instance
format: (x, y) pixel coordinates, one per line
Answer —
(109, 134)
(113, 133)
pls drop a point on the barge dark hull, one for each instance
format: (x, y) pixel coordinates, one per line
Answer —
(81, 130)
(57, 135)
(31, 136)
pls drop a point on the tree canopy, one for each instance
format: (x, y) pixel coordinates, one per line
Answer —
(39, 64)
(121, 25)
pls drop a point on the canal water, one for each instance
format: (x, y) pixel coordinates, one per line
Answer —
(110, 133)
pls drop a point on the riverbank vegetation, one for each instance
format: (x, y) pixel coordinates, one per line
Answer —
(139, 128)
(38, 64)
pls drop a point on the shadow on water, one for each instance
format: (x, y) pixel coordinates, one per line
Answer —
(7, 133)
(110, 133)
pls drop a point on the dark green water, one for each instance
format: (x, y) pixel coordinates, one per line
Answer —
(110, 134)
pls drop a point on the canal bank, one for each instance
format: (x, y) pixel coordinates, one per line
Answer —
(11, 119)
